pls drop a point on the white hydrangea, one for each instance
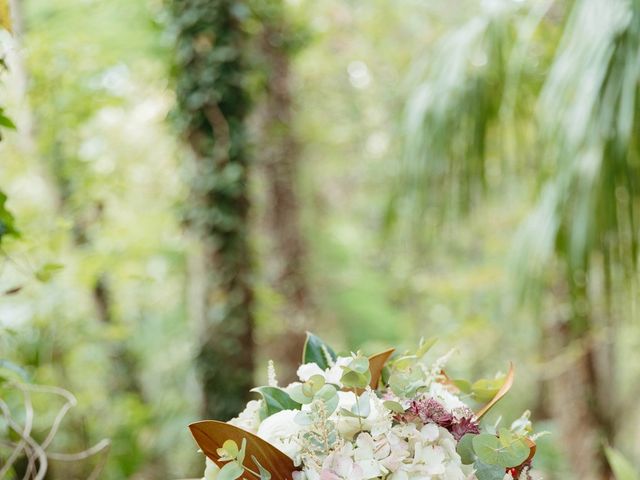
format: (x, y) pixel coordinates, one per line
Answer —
(249, 418)
(281, 430)
(434, 456)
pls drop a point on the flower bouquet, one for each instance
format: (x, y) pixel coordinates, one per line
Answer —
(388, 416)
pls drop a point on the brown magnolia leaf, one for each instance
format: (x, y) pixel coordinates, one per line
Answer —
(506, 386)
(376, 364)
(211, 434)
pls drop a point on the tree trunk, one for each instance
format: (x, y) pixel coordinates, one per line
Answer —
(212, 107)
(577, 392)
(280, 156)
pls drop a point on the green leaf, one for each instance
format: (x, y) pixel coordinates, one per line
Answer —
(360, 364)
(465, 449)
(314, 351)
(329, 395)
(264, 473)
(297, 395)
(327, 392)
(316, 382)
(362, 408)
(485, 389)
(488, 472)
(425, 346)
(622, 468)
(6, 121)
(463, 385)
(242, 452)
(275, 400)
(354, 379)
(230, 471)
(47, 271)
(7, 221)
(230, 448)
(510, 451)
(395, 407)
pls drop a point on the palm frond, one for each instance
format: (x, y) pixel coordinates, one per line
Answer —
(451, 111)
(588, 117)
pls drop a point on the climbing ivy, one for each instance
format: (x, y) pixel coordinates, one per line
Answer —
(213, 100)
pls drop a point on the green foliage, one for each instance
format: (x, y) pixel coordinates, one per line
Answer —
(465, 449)
(588, 116)
(316, 351)
(356, 374)
(213, 101)
(275, 400)
(622, 468)
(315, 389)
(485, 471)
(7, 220)
(505, 450)
(451, 112)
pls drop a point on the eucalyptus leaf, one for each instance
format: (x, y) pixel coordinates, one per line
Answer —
(230, 471)
(296, 393)
(465, 449)
(362, 407)
(485, 471)
(504, 453)
(353, 379)
(264, 473)
(242, 452)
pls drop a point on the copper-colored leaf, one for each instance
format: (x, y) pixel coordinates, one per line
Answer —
(532, 451)
(211, 434)
(506, 386)
(376, 364)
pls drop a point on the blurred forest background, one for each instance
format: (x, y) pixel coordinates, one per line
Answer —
(192, 184)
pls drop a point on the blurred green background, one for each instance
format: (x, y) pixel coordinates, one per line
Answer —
(198, 182)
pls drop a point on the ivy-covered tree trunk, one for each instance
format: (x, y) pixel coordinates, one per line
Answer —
(280, 156)
(212, 106)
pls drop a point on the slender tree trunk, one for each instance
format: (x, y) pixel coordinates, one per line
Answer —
(577, 392)
(212, 107)
(280, 156)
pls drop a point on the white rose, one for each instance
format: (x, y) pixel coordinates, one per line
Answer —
(249, 418)
(211, 471)
(308, 370)
(280, 430)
